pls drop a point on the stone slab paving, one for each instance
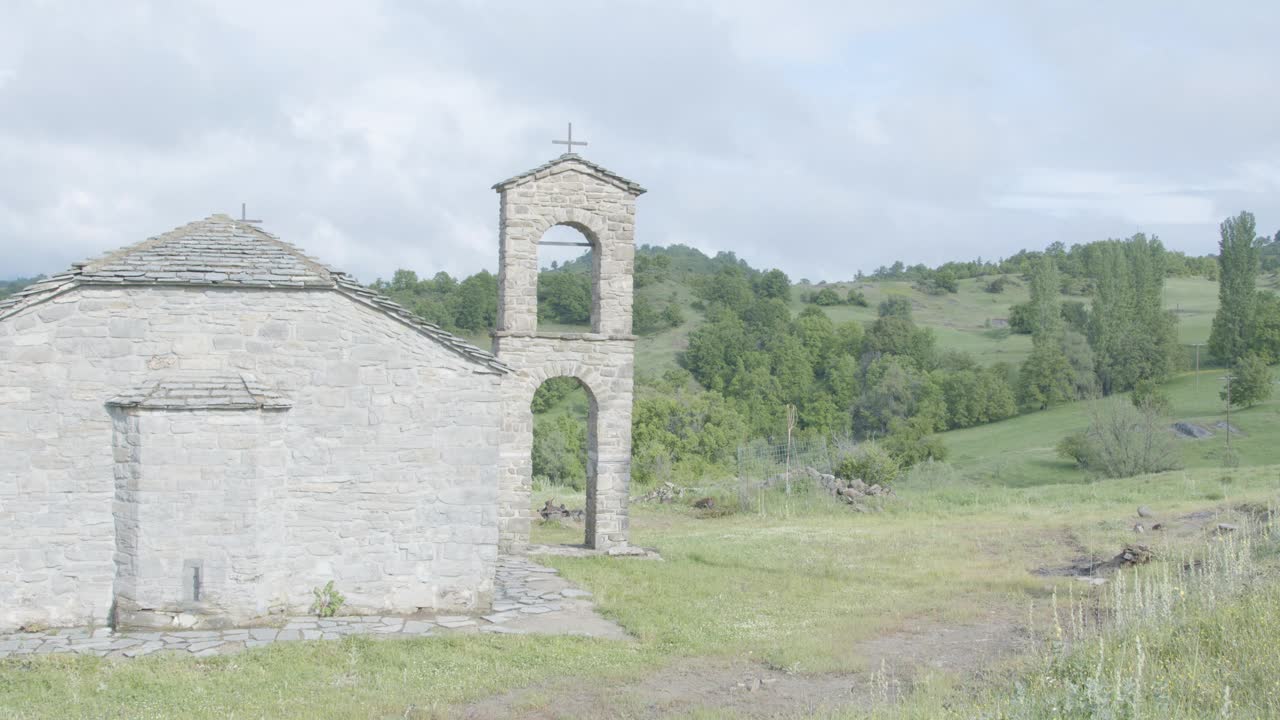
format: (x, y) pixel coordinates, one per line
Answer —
(528, 598)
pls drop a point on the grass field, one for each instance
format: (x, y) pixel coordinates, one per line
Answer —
(800, 588)
(1020, 451)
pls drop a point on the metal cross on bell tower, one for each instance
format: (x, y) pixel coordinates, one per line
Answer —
(569, 143)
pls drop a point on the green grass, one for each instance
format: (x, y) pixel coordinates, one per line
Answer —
(1019, 452)
(797, 588)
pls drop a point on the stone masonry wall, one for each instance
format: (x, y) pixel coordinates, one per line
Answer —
(199, 492)
(568, 193)
(391, 445)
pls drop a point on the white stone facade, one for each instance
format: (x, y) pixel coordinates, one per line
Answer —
(601, 205)
(382, 476)
(200, 429)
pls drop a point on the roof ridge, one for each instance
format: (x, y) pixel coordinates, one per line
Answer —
(197, 260)
(612, 177)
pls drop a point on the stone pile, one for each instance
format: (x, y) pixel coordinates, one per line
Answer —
(664, 493)
(851, 492)
(551, 511)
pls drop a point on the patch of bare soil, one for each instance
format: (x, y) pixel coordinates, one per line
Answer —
(743, 688)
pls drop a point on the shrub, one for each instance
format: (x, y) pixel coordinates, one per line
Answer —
(327, 600)
(857, 299)
(1075, 447)
(826, 297)
(997, 285)
(1122, 441)
(910, 442)
(869, 463)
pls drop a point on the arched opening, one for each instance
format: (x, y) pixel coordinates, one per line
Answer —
(568, 281)
(565, 461)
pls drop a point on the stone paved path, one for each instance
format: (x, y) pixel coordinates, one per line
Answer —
(528, 598)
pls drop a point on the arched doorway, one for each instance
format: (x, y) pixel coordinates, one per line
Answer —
(564, 460)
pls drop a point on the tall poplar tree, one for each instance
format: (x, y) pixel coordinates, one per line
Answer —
(1233, 325)
(1046, 378)
(1133, 337)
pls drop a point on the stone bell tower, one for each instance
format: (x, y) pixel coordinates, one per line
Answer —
(601, 205)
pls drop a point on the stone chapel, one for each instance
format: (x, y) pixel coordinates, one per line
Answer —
(199, 429)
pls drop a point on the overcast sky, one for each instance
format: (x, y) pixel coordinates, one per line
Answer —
(818, 136)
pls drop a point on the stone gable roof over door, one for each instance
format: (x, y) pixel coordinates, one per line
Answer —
(219, 251)
(567, 162)
(202, 392)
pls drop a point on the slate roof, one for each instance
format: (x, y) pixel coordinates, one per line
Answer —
(219, 251)
(217, 392)
(545, 169)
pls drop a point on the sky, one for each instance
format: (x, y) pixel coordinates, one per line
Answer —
(822, 137)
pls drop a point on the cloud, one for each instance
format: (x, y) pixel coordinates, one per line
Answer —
(819, 136)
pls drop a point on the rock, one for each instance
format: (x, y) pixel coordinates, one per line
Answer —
(1158, 526)
(706, 503)
(1144, 511)
(1224, 528)
(1139, 529)
(186, 620)
(1191, 430)
(664, 493)
(1134, 555)
(550, 511)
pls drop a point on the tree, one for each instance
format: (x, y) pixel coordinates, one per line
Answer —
(1046, 314)
(1132, 336)
(1266, 327)
(564, 297)
(1046, 378)
(774, 284)
(894, 389)
(1251, 383)
(1230, 336)
(560, 451)
(475, 303)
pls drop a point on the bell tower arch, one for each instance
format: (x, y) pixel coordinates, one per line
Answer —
(601, 205)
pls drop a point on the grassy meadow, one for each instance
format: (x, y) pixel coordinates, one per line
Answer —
(800, 587)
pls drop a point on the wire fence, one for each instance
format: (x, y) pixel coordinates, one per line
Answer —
(763, 466)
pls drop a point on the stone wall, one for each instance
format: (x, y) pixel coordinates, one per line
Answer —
(568, 192)
(198, 515)
(391, 445)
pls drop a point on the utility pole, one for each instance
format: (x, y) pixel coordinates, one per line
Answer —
(1197, 346)
(1230, 458)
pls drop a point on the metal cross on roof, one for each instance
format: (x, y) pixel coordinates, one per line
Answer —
(569, 143)
(244, 218)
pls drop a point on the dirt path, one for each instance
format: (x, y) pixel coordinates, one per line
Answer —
(751, 690)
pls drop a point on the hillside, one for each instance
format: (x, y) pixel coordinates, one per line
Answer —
(967, 321)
